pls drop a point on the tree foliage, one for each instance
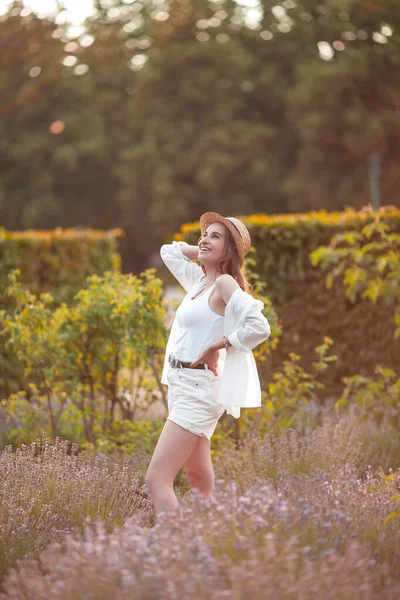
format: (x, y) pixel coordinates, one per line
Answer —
(368, 262)
(159, 112)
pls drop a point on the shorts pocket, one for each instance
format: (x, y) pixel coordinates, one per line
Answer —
(197, 380)
(194, 384)
(194, 388)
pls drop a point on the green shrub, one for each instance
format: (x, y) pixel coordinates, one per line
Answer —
(369, 262)
(378, 397)
(56, 261)
(285, 400)
(129, 437)
(87, 353)
(308, 310)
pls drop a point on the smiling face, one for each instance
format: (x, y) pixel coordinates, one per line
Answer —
(212, 244)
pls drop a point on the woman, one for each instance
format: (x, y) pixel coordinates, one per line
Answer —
(209, 365)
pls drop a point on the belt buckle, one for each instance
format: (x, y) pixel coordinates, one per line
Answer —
(175, 363)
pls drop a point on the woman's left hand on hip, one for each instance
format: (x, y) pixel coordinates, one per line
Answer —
(210, 357)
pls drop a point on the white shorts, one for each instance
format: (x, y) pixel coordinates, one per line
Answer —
(193, 400)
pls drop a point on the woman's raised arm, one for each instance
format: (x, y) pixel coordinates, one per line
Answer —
(191, 252)
(178, 257)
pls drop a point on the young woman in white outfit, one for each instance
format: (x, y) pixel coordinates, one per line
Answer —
(209, 365)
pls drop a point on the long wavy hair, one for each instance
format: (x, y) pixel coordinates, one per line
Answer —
(231, 263)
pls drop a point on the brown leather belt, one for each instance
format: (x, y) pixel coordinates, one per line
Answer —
(179, 364)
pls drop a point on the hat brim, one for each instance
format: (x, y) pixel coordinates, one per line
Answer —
(213, 217)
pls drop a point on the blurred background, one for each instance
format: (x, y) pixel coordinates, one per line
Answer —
(145, 114)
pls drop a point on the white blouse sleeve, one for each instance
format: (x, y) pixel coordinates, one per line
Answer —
(182, 268)
(254, 328)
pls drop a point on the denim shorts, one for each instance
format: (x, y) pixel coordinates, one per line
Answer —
(193, 400)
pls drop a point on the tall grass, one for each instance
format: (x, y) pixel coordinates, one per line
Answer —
(294, 515)
(49, 491)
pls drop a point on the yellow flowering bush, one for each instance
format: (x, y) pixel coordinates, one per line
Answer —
(75, 355)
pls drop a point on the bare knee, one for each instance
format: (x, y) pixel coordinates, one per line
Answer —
(203, 482)
(156, 479)
(153, 480)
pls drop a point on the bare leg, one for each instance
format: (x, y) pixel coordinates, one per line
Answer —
(199, 468)
(173, 449)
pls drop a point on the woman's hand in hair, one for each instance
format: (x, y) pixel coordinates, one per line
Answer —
(191, 252)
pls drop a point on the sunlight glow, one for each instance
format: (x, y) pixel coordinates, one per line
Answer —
(75, 11)
(325, 50)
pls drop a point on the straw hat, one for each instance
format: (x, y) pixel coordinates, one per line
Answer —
(238, 230)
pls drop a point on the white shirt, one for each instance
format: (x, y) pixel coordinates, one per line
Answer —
(244, 325)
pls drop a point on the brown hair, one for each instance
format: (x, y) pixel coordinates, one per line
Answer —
(231, 263)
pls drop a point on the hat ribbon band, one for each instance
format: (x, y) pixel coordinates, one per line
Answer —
(228, 219)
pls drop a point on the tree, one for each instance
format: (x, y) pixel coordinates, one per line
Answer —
(342, 108)
(159, 113)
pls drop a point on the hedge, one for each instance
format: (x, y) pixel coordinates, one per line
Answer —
(362, 332)
(51, 261)
(57, 261)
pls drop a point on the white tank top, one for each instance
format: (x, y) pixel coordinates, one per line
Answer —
(199, 326)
